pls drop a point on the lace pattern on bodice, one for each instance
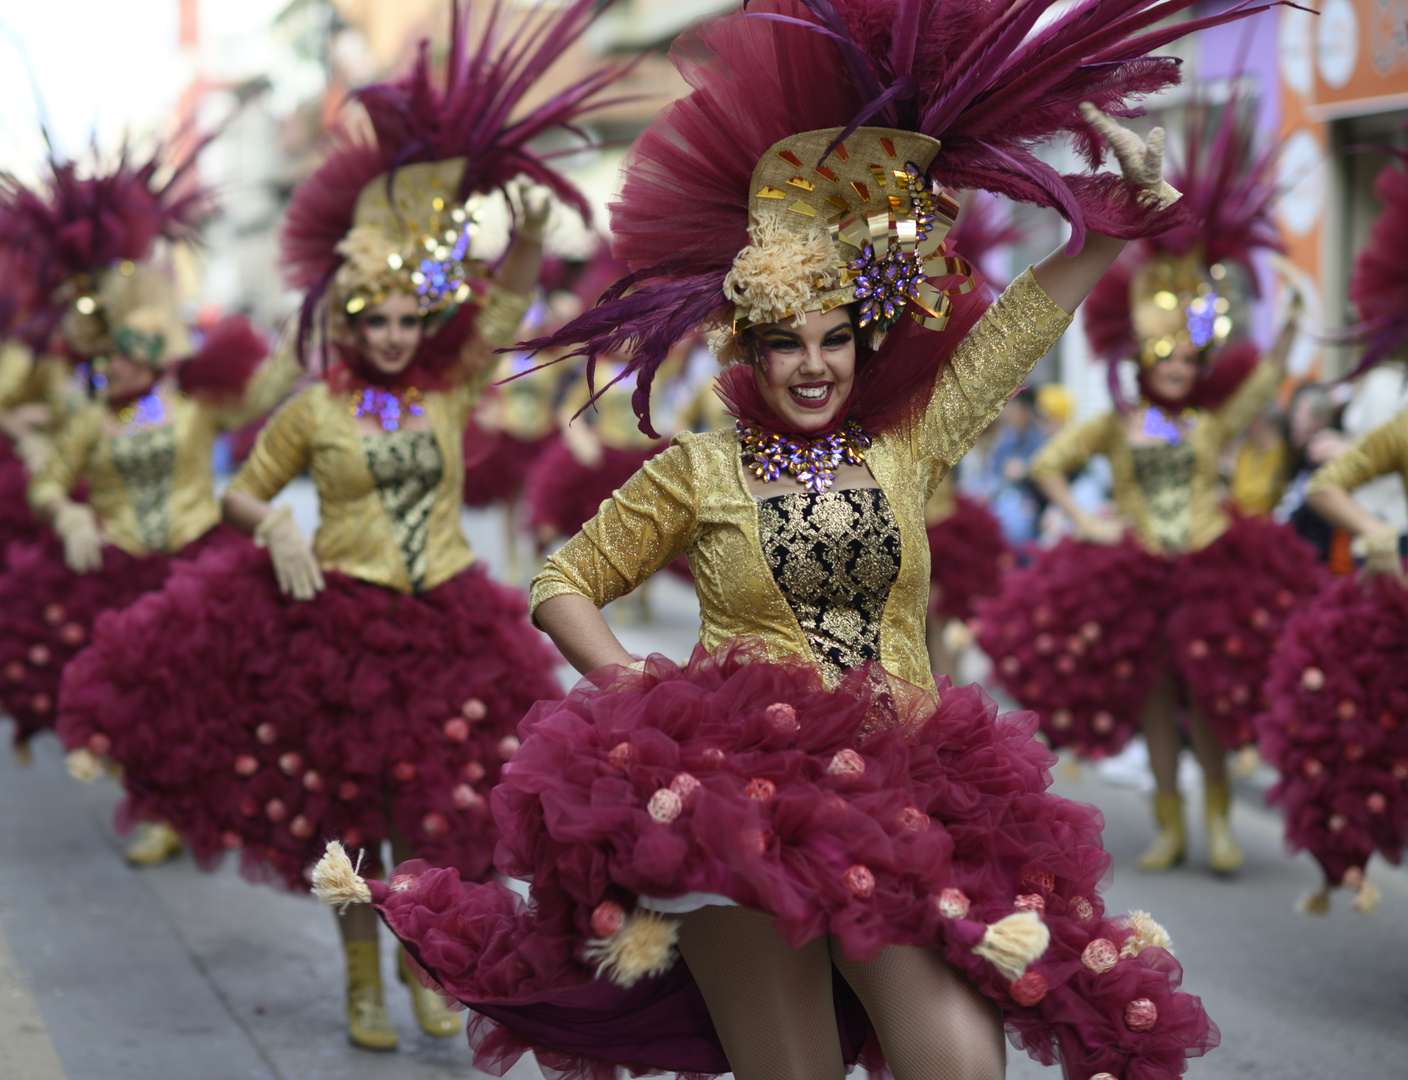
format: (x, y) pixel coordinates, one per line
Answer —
(1164, 472)
(407, 467)
(146, 461)
(835, 556)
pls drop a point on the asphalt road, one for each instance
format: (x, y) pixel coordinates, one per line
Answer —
(107, 973)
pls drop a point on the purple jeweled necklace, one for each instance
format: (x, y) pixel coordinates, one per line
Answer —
(811, 462)
(386, 405)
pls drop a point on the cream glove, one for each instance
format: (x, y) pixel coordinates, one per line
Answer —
(1142, 164)
(295, 566)
(77, 526)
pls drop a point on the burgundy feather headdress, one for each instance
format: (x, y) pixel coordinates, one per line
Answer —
(1229, 189)
(476, 113)
(1379, 284)
(987, 78)
(91, 217)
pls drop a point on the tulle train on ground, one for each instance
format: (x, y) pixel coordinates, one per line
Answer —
(1081, 635)
(967, 555)
(47, 614)
(256, 722)
(1336, 726)
(866, 813)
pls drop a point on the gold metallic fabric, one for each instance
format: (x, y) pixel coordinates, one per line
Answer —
(1376, 453)
(407, 467)
(694, 498)
(1199, 520)
(942, 503)
(84, 449)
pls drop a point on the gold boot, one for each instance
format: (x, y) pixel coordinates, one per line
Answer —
(1224, 855)
(368, 1026)
(1167, 848)
(155, 843)
(432, 1014)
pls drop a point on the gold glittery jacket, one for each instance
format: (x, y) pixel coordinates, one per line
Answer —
(1376, 453)
(316, 431)
(1185, 513)
(694, 498)
(85, 448)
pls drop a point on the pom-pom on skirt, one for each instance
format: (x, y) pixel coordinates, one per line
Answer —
(1336, 726)
(874, 813)
(255, 722)
(1082, 635)
(967, 555)
(47, 616)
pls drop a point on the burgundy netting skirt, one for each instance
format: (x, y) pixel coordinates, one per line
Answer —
(867, 813)
(498, 472)
(564, 494)
(252, 721)
(1082, 634)
(967, 555)
(1336, 725)
(16, 520)
(47, 614)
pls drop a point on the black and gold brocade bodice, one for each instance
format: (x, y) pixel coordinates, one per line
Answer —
(407, 467)
(835, 556)
(1164, 473)
(146, 461)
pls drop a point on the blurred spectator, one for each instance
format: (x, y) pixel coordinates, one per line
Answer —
(1261, 465)
(1002, 479)
(1313, 438)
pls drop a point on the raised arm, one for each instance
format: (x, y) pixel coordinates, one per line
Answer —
(644, 526)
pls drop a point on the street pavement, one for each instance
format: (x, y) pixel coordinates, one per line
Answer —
(109, 973)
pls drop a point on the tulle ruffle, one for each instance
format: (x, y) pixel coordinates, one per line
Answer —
(1082, 634)
(500, 473)
(250, 721)
(564, 495)
(967, 555)
(47, 614)
(1336, 726)
(869, 813)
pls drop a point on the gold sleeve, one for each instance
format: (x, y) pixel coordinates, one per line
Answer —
(68, 461)
(988, 366)
(500, 318)
(280, 453)
(265, 389)
(1070, 448)
(1381, 451)
(644, 526)
(1250, 398)
(16, 375)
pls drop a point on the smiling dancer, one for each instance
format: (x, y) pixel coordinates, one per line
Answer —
(1173, 606)
(822, 836)
(365, 686)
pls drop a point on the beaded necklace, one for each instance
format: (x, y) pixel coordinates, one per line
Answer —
(811, 462)
(386, 405)
(1159, 425)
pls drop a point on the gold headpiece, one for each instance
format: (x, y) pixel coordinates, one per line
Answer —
(865, 225)
(131, 310)
(419, 245)
(1174, 300)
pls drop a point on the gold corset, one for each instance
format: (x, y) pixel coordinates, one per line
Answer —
(835, 556)
(407, 468)
(1164, 472)
(146, 460)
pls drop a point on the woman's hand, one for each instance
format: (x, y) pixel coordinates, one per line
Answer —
(583, 444)
(77, 527)
(295, 565)
(1381, 556)
(1091, 529)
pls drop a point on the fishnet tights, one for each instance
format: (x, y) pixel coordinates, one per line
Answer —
(773, 1011)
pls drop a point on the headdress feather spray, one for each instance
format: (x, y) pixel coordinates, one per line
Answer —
(990, 79)
(1379, 284)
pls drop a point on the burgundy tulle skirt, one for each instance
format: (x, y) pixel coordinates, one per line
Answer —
(967, 555)
(254, 722)
(867, 813)
(564, 495)
(1336, 726)
(499, 471)
(1082, 635)
(16, 520)
(47, 615)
